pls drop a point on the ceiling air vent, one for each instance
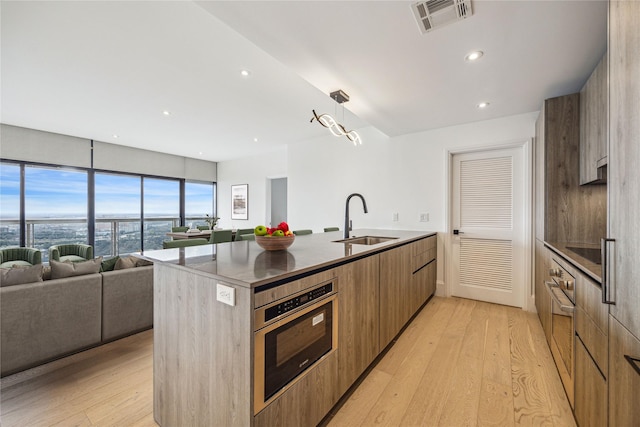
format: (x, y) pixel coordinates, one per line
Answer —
(432, 14)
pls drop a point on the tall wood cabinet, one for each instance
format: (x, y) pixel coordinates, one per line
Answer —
(593, 125)
(624, 208)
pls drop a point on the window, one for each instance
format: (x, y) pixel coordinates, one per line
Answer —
(198, 202)
(117, 201)
(55, 207)
(161, 210)
(132, 212)
(9, 205)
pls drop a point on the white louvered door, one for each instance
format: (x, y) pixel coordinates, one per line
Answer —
(488, 212)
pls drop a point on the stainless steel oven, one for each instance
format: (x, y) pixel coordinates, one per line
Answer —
(561, 288)
(291, 335)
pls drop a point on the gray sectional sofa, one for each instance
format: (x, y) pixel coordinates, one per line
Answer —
(46, 320)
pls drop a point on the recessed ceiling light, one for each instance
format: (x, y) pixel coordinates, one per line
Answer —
(245, 73)
(116, 136)
(474, 56)
(166, 113)
(255, 139)
(483, 105)
(199, 153)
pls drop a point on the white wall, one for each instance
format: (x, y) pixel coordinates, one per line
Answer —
(255, 171)
(404, 175)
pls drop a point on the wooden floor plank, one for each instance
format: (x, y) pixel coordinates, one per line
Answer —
(435, 385)
(530, 396)
(561, 413)
(392, 403)
(362, 401)
(461, 407)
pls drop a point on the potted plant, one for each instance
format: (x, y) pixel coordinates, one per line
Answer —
(211, 221)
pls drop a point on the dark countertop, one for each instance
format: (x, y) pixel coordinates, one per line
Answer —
(583, 264)
(245, 263)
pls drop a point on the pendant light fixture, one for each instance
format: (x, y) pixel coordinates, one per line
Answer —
(330, 123)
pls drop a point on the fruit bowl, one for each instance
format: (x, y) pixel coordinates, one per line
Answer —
(275, 243)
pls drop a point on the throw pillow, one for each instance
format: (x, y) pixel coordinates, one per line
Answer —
(61, 270)
(17, 275)
(125, 262)
(141, 262)
(109, 264)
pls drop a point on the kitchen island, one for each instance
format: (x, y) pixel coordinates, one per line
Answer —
(209, 363)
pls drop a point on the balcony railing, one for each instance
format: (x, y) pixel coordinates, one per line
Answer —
(113, 236)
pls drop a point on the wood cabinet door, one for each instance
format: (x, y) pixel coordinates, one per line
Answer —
(395, 290)
(590, 390)
(624, 377)
(593, 123)
(358, 327)
(624, 161)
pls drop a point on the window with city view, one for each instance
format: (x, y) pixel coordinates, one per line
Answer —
(199, 202)
(56, 211)
(118, 204)
(161, 210)
(10, 203)
(55, 207)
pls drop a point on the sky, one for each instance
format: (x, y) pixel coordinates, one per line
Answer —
(63, 193)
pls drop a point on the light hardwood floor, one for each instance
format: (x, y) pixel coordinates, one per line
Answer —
(459, 363)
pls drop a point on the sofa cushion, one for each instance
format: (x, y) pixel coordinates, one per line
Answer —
(125, 262)
(131, 262)
(60, 270)
(72, 258)
(109, 264)
(17, 262)
(19, 274)
(127, 302)
(42, 321)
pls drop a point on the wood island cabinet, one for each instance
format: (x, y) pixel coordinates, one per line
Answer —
(395, 288)
(358, 330)
(407, 280)
(206, 353)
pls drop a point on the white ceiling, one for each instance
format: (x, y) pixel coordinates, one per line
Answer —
(95, 69)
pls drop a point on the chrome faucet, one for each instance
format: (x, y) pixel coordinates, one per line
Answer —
(347, 221)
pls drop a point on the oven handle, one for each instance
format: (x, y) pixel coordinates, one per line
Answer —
(566, 307)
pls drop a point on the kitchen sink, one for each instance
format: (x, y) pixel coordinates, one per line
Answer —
(366, 240)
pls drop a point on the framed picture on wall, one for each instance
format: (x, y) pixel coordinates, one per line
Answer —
(240, 201)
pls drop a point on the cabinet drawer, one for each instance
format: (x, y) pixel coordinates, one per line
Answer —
(624, 376)
(594, 339)
(423, 259)
(589, 298)
(423, 245)
(591, 391)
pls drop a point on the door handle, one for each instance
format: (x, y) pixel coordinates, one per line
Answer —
(604, 252)
(633, 362)
(456, 232)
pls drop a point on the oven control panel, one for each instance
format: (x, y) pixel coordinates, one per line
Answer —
(299, 300)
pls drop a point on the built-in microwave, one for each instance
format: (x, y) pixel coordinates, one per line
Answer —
(291, 335)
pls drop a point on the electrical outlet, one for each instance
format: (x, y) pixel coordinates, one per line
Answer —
(424, 217)
(226, 294)
(395, 216)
